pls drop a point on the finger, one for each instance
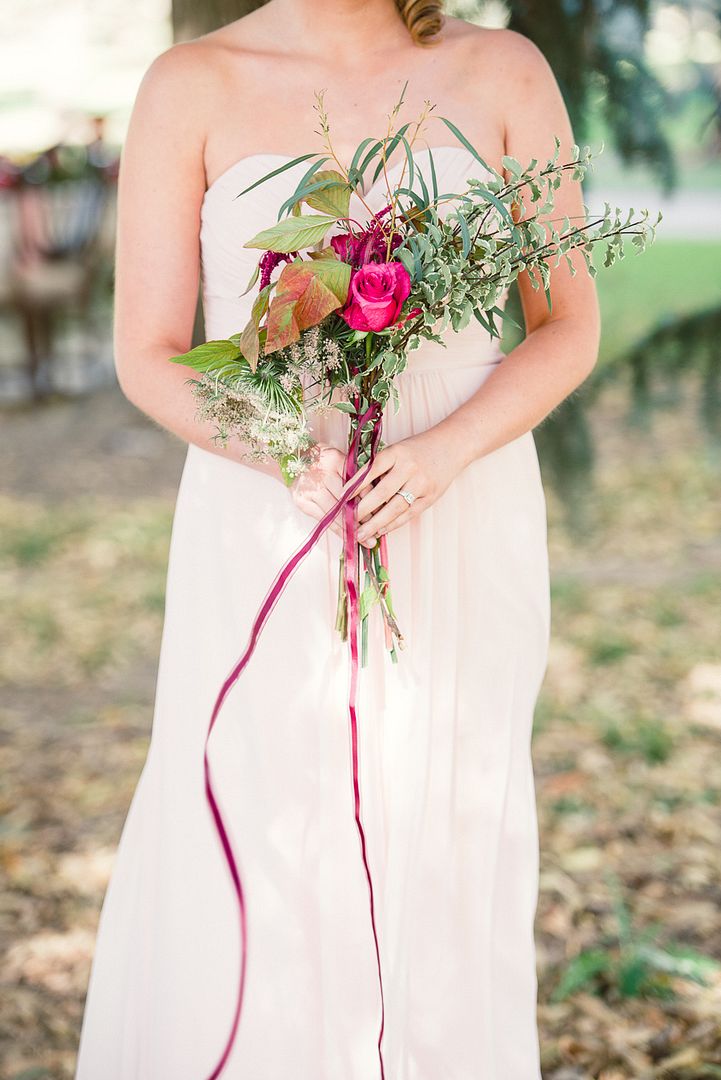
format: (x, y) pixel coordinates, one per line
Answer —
(403, 518)
(381, 493)
(334, 484)
(326, 501)
(364, 489)
(305, 503)
(336, 524)
(381, 520)
(382, 462)
(309, 504)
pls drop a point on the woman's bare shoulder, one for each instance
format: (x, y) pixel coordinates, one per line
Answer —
(505, 68)
(497, 47)
(196, 69)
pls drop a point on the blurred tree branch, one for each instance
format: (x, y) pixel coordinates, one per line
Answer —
(191, 19)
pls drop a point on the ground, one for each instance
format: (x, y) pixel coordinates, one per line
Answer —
(626, 741)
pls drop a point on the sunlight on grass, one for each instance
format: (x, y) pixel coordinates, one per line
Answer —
(671, 278)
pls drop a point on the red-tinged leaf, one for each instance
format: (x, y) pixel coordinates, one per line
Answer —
(250, 344)
(334, 274)
(306, 292)
(249, 341)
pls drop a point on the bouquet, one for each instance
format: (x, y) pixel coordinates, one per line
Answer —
(339, 306)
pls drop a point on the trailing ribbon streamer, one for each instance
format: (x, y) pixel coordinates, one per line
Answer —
(373, 415)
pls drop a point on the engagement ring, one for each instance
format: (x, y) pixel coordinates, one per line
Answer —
(407, 495)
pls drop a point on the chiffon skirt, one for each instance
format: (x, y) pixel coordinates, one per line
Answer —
(446, 780)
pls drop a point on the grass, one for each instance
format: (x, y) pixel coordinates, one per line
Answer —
(76, 576)
(642, 291)
(691, 136)
(671, 278)
(626, 743)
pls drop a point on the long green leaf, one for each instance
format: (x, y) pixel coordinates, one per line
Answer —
(483, 321)
(413, 196)
(465, 234)
(301, 184)
(208, 356)
(486, 193)
(424, 187)
(326, 184)
(549, 301)
(502, 209)
(434, 178)
(359, 151)
(253, 278)
(370, 155)
(506, 317)
(469, 146)
(409, 159)
(392, 144)
(276, 172)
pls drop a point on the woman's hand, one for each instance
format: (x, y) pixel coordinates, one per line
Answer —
(423, 464)
(320, 485)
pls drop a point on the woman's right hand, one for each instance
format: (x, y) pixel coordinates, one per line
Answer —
(320, 485)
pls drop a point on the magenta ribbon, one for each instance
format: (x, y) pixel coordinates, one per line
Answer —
(373, 415)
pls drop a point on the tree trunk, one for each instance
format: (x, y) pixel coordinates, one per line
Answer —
(191, 19)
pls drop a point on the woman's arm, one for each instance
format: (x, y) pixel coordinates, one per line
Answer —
(160, 190)
(558, 353)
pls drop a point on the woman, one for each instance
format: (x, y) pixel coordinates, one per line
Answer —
(446, 777)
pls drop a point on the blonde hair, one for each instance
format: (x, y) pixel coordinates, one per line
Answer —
(424, 18)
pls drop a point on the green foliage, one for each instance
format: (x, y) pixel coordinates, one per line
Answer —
(609, 647)
(596, 46)
(293, 233)
(647, 736)
(330, 194)
(631, 963)
(674, 347)
(215, 356)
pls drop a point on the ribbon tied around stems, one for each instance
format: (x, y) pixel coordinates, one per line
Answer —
(373, 416)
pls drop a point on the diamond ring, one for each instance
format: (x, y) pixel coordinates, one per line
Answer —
(407, 495)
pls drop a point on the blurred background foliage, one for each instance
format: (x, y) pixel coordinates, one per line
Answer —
(627, 730)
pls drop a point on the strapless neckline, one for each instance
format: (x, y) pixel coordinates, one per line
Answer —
(280, 158)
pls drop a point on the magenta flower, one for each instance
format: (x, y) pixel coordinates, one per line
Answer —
(348, 247)
(268, 262)
(376, 295)
(371, 245)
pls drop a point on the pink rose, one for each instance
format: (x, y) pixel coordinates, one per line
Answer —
(376, 295)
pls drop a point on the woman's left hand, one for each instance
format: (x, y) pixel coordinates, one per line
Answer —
(423, 464)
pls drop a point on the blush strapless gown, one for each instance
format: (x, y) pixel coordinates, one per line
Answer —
(447, 787)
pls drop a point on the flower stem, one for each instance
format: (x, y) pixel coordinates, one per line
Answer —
(341, 618)
(364, 630)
